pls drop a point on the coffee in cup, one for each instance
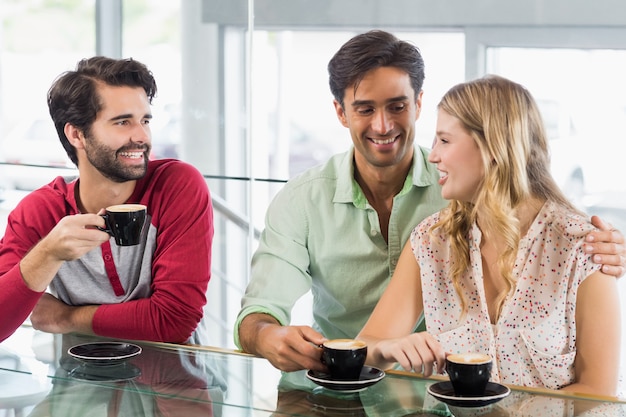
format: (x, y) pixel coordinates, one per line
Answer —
(344, 358)
(469, 373)
(125, 223)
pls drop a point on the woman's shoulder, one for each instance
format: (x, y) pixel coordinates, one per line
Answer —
(565, 222)
(426, 224)
(424, 230)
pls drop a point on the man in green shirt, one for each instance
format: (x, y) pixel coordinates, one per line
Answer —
(338, 229)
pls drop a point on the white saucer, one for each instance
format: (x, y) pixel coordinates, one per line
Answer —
(369, 376)
(104, 353)
(444, 392)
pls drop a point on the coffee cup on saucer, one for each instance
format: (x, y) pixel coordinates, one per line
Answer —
(469, 373)
(344, 358)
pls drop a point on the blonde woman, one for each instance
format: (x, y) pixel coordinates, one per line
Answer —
(502, 270)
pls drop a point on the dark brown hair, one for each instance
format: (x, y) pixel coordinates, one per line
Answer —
(73, 97)
(369, 51)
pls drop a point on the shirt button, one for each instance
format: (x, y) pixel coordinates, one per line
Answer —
(394, 262)
(107, 257)
(373, 232)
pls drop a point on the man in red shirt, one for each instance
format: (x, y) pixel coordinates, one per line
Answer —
(152, 291)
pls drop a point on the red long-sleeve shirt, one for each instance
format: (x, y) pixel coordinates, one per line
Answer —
(157, 294)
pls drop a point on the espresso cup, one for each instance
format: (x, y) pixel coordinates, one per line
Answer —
(344, 358)
(125, 223)
(469, 373)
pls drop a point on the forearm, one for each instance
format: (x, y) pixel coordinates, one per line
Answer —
(16, 301)
(54, 316)
(39, 267)
(80, 319)
(249, 330)
(582, 388)
(419, 352)
(155, 319)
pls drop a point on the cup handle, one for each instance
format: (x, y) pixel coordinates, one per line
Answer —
(107, 227)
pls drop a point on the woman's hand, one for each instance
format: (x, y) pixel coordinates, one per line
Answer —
(417, 352)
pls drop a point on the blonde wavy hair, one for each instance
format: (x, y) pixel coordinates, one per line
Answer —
(504, 120)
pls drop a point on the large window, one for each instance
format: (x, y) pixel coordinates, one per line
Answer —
(580, 91)
(29, 61)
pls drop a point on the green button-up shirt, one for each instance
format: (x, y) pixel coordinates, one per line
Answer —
(321, 234)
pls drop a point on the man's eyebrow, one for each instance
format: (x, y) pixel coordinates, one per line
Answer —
(357, 103)
(129, 116)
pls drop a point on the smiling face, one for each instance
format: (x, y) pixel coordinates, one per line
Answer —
(458, 159)
(119, 141)
(380, 114)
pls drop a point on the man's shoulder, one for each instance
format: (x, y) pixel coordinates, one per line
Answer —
(55, 197)
(173, 172)
(171, 165)
(321, 175)
(169, 179)
(58, 189)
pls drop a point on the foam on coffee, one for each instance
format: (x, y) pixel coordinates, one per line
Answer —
(470, 358)
(126, 207)
(344, 344)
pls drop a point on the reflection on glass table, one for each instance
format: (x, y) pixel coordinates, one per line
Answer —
(177, 380)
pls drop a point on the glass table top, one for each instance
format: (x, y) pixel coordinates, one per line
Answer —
(38, 377)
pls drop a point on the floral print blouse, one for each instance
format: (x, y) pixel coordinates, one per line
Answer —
(534, 340)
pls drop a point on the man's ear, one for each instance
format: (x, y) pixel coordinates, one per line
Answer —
(418, 104)
(341, 113)
(74, 136)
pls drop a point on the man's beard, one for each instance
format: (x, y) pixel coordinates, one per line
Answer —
(104, 159)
